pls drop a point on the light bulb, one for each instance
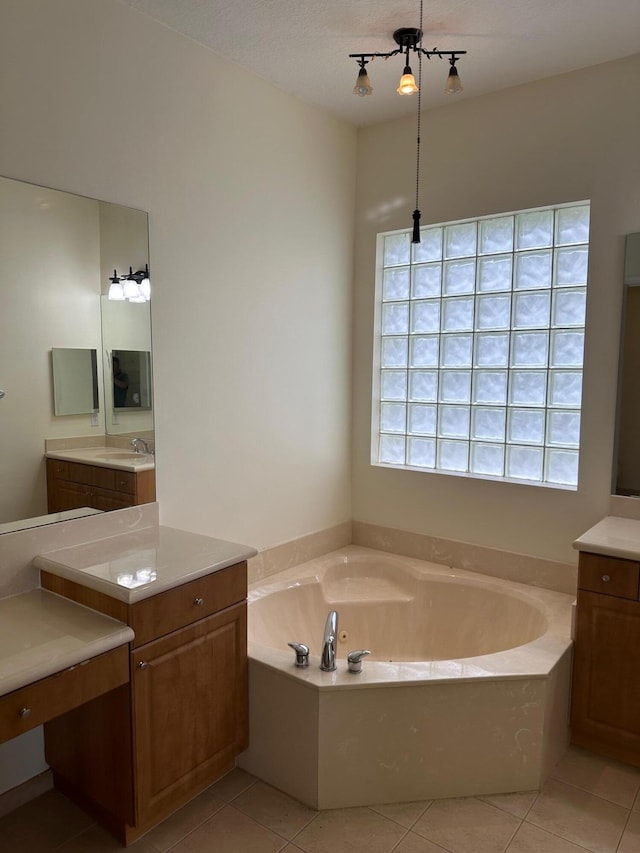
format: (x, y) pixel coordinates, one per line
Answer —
(407, 82)
(145, 289)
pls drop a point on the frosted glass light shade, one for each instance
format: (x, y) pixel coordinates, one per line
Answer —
(145, 289)
(407, 82)
(131, 289)
(116, 292)
(453, 84)
(363, 84)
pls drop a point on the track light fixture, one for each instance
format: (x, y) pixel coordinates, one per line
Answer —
(409, 40)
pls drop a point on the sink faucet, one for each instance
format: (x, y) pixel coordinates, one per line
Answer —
(329, 641)
(135, 442)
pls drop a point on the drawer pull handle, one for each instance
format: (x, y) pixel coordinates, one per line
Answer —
(143, 664)
(24, 713)
(606, 578)
(198, 602)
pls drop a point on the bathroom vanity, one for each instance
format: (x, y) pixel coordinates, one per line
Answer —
(103, 478)
(133, 755)
(605, 711)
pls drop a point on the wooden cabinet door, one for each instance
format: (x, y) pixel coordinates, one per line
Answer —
(606, 680)
(189, 709)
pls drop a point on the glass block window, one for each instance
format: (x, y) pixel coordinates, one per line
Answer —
(479, 346)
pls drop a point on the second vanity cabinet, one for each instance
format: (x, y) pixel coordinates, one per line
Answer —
(605, 714)
(137, 754)
(72, 485)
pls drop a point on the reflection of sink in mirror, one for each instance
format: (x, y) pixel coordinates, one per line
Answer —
(123, 456)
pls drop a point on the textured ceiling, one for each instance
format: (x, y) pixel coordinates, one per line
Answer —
(302, 47)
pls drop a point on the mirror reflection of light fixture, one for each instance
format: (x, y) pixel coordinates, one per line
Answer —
(131, 286)
(410, 39)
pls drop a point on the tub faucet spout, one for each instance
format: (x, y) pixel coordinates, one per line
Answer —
(329, 642)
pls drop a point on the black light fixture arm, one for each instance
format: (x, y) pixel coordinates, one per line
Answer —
(408, 38)
(452, 55)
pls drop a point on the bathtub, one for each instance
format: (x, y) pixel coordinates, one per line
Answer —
(466, 690)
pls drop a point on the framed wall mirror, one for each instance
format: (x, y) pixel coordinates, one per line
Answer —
(57, 253)
(626, 467)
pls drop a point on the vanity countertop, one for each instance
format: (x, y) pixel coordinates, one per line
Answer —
(106, 457)
(42, 633)
(137, 565)
(613, 537)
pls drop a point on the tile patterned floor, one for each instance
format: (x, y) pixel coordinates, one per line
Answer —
(590, 804)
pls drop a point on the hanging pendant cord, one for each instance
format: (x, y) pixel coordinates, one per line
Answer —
(416, 212)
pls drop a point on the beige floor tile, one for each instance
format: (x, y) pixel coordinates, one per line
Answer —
(185, 820)
(578, 816)
(413, 843)
(230, 831)
(636, 805)
(358, 830)
(42, 824)
(601, 776)
(467, 825)
(516, 804)
(274, 809)
(630, 842)
(232, 784)
(406, 814)
(531, 839)
(97, 840)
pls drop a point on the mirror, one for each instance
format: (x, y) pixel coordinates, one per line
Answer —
(75, 381)
(57, 252)
(131, 374)
(626, 469)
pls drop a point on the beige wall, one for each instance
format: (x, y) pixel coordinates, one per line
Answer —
(250, 194)
(564, 139)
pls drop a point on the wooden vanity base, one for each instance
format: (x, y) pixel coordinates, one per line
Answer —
(605, 714)
(134, 756)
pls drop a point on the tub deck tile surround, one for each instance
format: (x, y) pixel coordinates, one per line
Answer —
(403, 730)
(240, 814)
(522, 568)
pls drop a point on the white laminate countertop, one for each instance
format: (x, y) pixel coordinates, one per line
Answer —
(106, 457)
(137, 565)
(42, 633)
(614, 537)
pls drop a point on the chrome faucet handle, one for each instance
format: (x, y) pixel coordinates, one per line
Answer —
(302, 653)
(354, 659)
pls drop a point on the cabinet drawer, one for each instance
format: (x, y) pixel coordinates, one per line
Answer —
(91, 475)
(59, 468)
(153, 617)
(125, 481)
(43, 700)
(609, 575)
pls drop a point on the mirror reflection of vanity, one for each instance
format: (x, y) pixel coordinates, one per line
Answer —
(626, 468)
(57, 252)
